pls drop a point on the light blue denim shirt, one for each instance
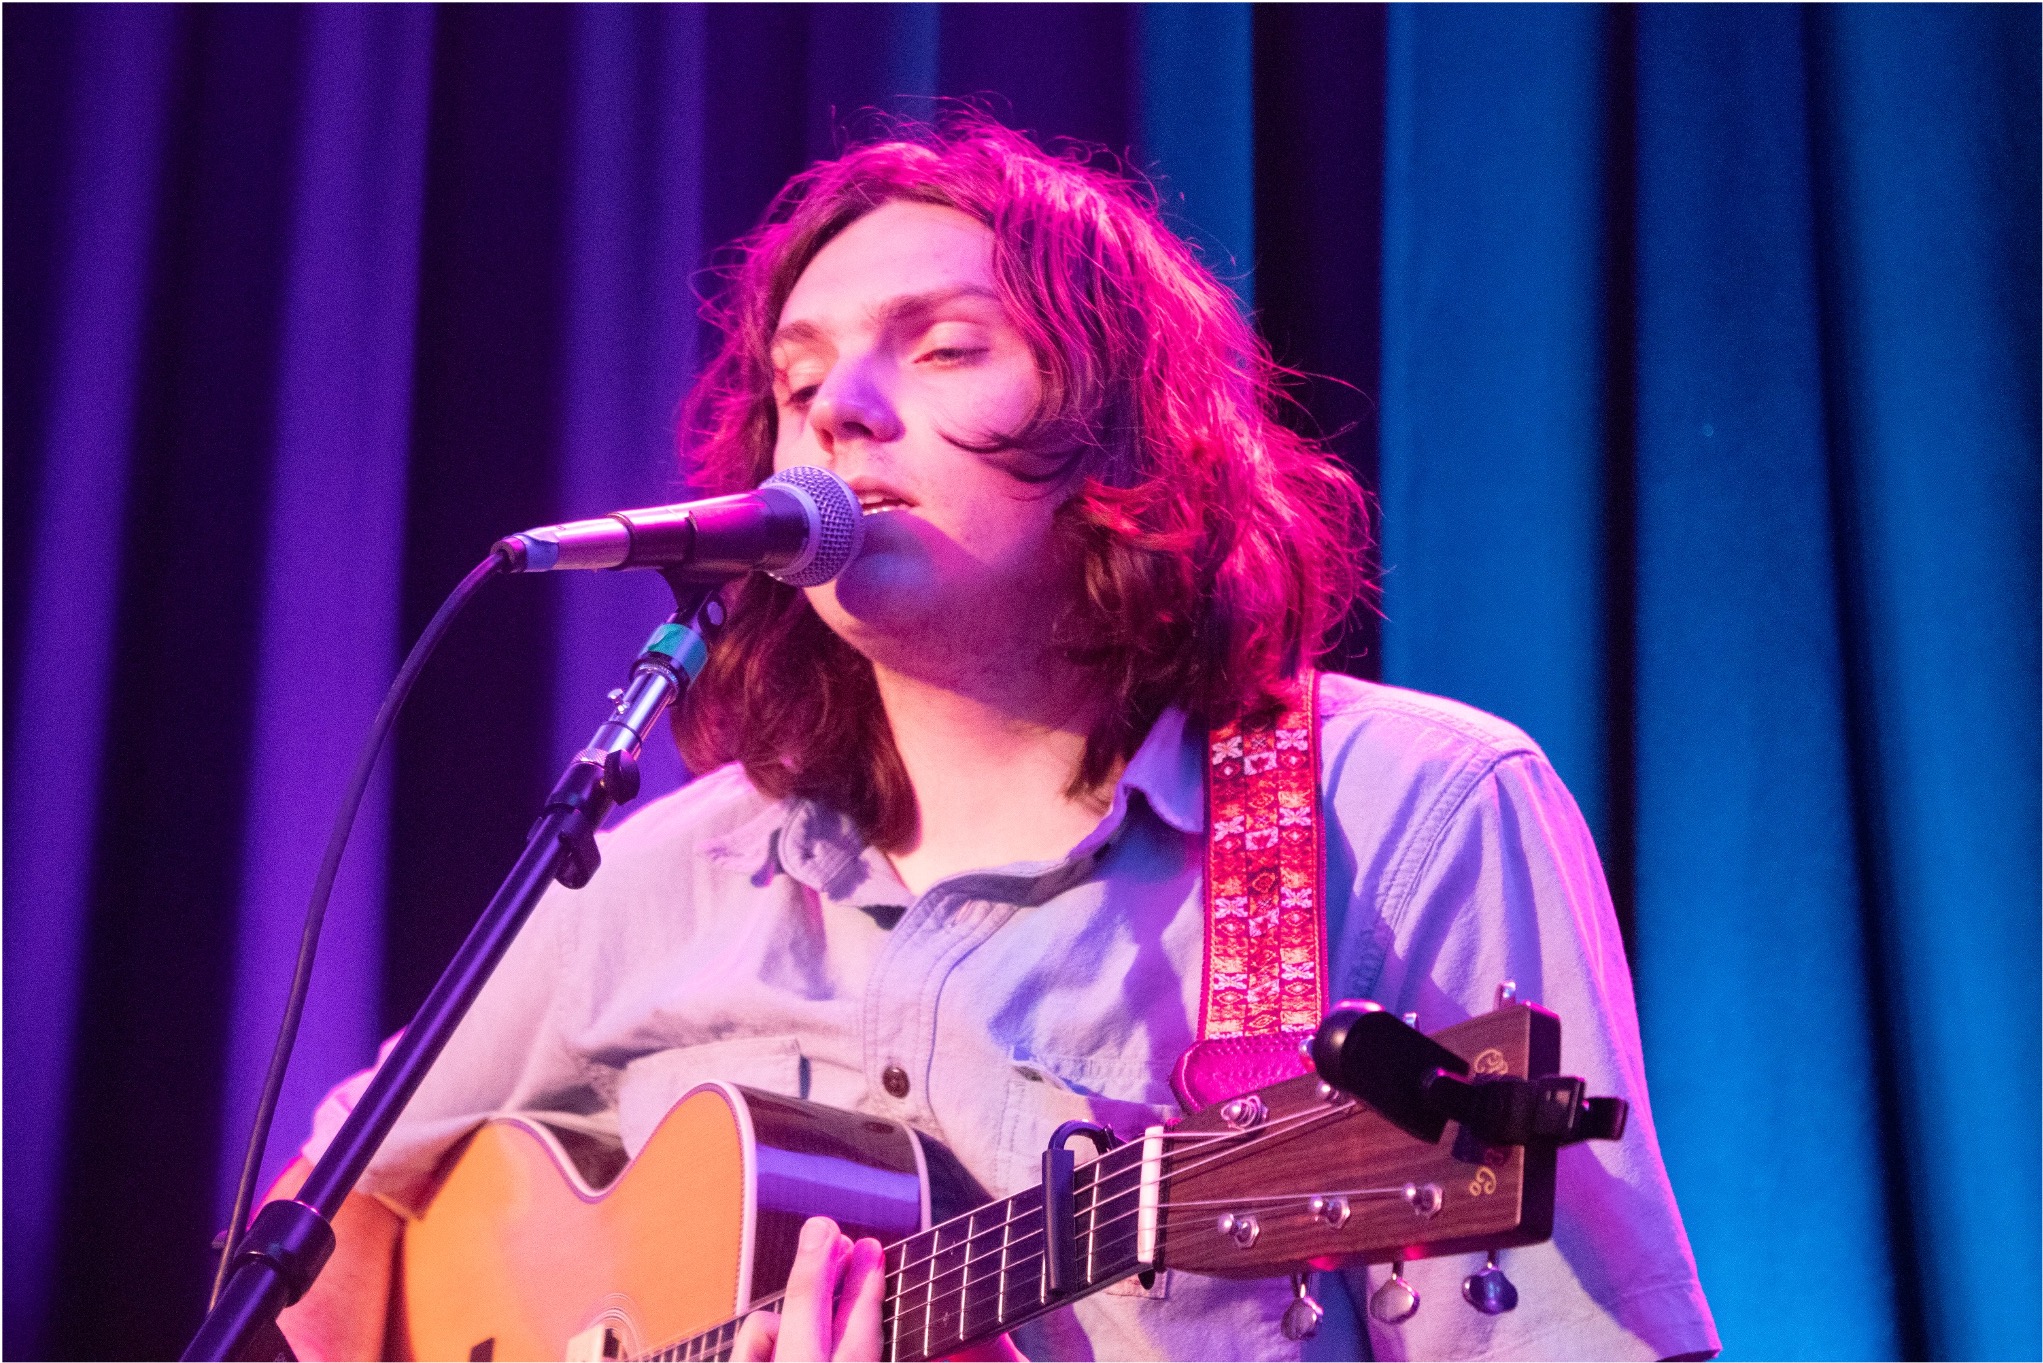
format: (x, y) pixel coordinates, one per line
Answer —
(763, 942)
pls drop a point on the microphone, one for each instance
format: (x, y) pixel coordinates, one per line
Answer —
(803, 526)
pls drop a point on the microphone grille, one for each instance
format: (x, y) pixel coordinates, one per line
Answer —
(838, 533)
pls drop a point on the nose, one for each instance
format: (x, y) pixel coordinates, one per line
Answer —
(852, 405)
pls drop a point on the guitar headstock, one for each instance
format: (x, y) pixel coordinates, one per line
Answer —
(1301, 1174)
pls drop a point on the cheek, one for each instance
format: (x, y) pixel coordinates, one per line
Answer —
(786, 436)
(994, 402)
(1020, 538)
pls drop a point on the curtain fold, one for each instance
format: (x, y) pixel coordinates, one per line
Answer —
(1498, 281)
(1746, 849)
(336, 526)
(104, 181)
(1692, 353)
(1925, 118)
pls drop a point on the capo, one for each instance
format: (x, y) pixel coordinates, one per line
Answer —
(1060, 1217)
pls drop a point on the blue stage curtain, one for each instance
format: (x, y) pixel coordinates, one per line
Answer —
(1692, 353)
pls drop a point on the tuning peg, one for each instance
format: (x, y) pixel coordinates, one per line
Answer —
(1488, 1290)
(1507, 993)
(1303, 1315)
(1397, 1301)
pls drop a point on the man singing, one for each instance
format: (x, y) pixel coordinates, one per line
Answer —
(946, 860)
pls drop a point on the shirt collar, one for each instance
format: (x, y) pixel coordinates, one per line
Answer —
(1170, 771)
(822, 849)
(815, 845)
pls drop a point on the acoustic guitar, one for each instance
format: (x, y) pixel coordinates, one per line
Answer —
(519, 1255)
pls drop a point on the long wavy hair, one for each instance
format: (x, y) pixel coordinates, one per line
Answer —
(1213, 551)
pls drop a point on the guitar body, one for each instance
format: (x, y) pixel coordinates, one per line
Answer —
(520, 1257)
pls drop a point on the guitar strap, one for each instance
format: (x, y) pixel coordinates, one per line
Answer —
(1264, 989)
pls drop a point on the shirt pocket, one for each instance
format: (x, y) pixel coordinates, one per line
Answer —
(653, 1083)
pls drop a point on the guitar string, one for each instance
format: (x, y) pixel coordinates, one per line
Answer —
(1200, 1231)
(933, 1309)
(1236, 1144)
(1202, 1228)
(1233, 1140)
(930, 1314)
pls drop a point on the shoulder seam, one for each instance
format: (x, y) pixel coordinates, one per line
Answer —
(1432, 828)
(1383, 697)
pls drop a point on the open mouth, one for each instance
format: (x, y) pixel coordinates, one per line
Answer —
(871, 503)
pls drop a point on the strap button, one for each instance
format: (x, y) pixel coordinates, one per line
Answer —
(894, 1080)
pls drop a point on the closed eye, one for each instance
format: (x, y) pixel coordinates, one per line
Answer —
(952, 354)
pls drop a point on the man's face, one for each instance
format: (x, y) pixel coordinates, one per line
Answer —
(894, 338)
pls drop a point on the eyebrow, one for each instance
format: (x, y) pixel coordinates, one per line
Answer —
(893, 311)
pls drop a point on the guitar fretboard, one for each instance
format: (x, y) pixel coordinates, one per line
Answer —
(973, 1277)
(710, 1344)
(987, 1271)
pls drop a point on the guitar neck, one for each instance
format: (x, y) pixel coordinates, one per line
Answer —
(977, 1275)
(973, 1277)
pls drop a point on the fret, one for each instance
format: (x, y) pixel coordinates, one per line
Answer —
(987, 1271)
(948, 1292)
(1085, 1209)
(928, 1302)
(1007, 1219)
(916, 1293)
(892, 1289)
(1027, 1272)
(973, 1223)
(1107, 1200)
(717, 1343)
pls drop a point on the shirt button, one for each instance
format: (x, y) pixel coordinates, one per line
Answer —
(895, 1080)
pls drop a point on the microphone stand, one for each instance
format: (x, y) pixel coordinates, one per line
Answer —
(290, 1240)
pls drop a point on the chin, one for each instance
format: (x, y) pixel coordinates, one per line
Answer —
(879, 605)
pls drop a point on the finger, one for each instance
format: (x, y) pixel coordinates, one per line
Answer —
(808, 1308)
(756, 1336)
(858, 1303)
(999, 1349)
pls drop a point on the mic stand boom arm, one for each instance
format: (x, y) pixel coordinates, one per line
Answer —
(290, 1240)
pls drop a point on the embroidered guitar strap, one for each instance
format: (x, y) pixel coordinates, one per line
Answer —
(1265, 980)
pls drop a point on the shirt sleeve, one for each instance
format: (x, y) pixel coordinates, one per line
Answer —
(1508, 886)
(510, 1053)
